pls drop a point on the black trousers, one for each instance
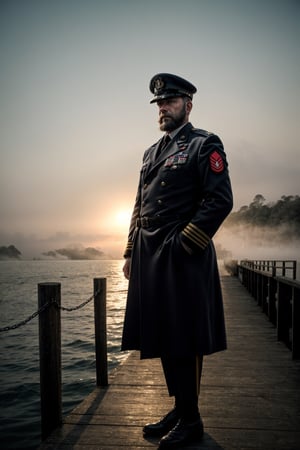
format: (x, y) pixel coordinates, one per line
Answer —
(183, 376)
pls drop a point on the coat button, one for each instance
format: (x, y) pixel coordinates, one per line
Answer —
(159, 201)
(145, 185)
(163, 183)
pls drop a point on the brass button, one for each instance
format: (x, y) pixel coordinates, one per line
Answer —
(163, 183)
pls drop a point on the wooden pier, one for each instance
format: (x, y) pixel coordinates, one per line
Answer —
(250, 394)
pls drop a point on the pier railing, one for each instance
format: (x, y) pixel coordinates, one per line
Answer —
(274, 267)
(49, 300)
(273, 285)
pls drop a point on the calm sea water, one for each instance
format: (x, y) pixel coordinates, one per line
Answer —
(19, 350)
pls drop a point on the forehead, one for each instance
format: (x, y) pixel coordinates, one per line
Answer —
(169, 101)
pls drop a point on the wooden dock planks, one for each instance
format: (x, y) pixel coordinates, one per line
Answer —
(250, 397)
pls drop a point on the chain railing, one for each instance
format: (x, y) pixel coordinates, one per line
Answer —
(47, 305)
(25, 321)
(50, 348)
(49, 309)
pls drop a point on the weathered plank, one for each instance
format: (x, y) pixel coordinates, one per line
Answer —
(249, 399)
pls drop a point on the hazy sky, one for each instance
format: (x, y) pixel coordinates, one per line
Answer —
(75, 116)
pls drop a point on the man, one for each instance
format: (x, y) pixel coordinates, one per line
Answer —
(174, 307)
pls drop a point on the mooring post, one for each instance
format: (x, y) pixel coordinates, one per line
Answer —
(50, 357)
(100, 331)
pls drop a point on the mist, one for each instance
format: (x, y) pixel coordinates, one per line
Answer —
(241, 242)
(65, 245)
(76, 253)
(253, 242)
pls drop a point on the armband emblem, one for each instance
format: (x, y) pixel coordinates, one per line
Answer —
(216, 162)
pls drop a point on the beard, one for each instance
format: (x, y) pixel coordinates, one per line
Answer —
(169, 122)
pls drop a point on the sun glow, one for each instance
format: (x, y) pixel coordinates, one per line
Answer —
(122, 219)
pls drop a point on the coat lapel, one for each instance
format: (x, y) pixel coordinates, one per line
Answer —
(174, 146)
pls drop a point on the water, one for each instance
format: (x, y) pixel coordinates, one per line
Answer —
(19, 350)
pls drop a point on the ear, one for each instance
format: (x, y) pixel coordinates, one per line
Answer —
(188, 106)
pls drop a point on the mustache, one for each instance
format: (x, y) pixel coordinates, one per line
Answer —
(164, 116)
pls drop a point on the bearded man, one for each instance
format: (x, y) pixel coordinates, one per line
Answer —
(174, 306)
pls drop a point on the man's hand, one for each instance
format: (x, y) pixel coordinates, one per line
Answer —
(126, 268)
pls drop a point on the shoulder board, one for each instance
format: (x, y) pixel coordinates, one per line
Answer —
(200, 132)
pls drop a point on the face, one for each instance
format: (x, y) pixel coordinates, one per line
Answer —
(173, 112)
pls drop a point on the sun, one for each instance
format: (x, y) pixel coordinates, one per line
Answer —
(122, 218)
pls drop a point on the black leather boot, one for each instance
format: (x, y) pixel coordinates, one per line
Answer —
(163, 426)
(183, 433)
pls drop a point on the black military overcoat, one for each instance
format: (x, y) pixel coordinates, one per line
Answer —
(174, 305)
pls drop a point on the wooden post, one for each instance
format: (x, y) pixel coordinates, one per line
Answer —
(259, 278)
(273, 268)
(294, 263)
(284, 296)
(50, 357)
(283, 269)
(295, 325)
(272, 309)
(264, 294)
(100, 331)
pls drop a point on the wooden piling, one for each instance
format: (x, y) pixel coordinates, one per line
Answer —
(50, 356)
(100, 331)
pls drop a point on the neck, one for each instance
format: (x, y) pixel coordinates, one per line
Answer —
(174, 132)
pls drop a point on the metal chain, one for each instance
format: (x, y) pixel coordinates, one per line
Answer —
(20, 324)
(40, 310)
(63, 308)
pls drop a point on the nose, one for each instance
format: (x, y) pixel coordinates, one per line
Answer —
(162, 106)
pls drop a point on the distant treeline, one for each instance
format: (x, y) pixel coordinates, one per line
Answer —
(284, 212)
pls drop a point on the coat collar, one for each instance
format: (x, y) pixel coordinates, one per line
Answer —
(173, 147)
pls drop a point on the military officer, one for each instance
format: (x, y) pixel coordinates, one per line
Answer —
(174, 306)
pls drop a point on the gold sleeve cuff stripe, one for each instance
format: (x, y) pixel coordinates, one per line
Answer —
(128, 250)
(196, 235)
(129, 246)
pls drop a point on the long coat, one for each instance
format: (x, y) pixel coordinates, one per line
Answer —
(174, 304)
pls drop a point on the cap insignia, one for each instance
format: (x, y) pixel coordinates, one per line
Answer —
(158, 84)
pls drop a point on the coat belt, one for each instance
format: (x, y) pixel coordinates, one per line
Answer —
(148, 222)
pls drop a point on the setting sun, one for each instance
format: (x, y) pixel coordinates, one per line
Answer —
(122, 218)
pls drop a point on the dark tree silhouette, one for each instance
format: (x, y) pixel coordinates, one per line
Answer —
(284, 212)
